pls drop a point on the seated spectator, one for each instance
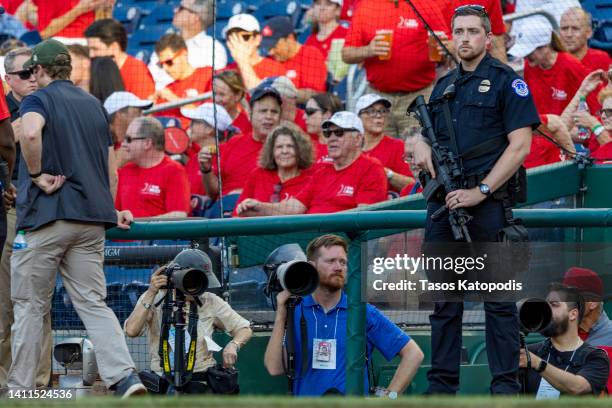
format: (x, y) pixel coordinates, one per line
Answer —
(104, 78)
(603, 153)
(213, 313)
(243, 37)
(108, 38)
(564, 363)
(325, 25)
(122, 109)
(553, 75)
(239, 155)
(575, 31)
(350, 180)
(192, 18)
(373, 110)
(203, 135)
(415, 187)
(544, 151)
(81, 66)
(66, 21)
(304, 64)
(289, 93)
(151, 184)
(319, 108)
(188, 81)
(283, 167)
(229, 93)
(400, 70)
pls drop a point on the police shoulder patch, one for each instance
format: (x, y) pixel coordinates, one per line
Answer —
(520, 87)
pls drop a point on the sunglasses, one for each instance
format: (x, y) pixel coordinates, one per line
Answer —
(472, 7)
(338, 132)
(247, 36)
(181, 8)
(376, 112)
(170, 61)
(23, 74)
(607, 112)
(312, 111)
(130, 139)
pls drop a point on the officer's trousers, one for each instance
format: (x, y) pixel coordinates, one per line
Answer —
(501, 325)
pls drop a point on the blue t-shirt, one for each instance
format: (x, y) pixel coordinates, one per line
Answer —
(380, 332)
(75, 143)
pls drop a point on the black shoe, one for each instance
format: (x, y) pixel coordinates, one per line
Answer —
(129, 386)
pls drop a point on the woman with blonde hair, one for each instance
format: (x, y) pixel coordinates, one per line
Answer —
(284, 162)
(229, 93)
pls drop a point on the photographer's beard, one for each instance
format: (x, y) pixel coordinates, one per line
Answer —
(556, 327)
(333, 282)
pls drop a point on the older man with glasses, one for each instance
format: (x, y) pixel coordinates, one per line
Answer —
(351, 178)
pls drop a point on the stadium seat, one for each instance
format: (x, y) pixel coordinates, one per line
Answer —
(289, 8)
(601, 10)
(142, 42)
(128, 16)
(602, 36)
(169, 121)
(227, 9)
(217, 30)
(159, 16)
(146, 6)
(31, 38)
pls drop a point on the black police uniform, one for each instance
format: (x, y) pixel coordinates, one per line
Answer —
(488, 104)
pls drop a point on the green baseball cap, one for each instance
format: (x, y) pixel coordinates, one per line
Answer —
(46, 52)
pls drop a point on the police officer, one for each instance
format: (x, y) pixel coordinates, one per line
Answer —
(491, 116)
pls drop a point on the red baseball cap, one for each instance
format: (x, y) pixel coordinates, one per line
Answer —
(586, 281)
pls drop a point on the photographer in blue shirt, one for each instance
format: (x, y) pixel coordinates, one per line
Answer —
(325, 313)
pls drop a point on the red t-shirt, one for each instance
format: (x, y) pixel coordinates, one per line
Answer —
(238, 159)
(49, 10)
(390, 152)
(596, 59)
(197, 83)
(406, 191)
(148, 192)
(409, 68)
(243, 123)
(194, 175)
(348, 9)
(554, 88)
(493, 8)
(603, 155)
(265, 186)
(137, 78)
(307, 69)
(265, 68)
(299, 120)
(319, 148)
(330, 190)
(4, 110)
(542, 152)
(325, 45)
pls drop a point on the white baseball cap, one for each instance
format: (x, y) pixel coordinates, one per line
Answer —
(206, 113)
(244, 22)
(368, 100)
(119, 100)
(531, 37)
(338, 2)
(344, 120)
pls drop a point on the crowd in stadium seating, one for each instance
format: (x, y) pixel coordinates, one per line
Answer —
(278, 86)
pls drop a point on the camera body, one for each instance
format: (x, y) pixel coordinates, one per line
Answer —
(287, 269)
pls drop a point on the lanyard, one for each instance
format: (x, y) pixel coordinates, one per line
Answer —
(570, 360)
(317, 323)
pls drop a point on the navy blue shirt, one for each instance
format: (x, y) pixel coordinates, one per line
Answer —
(380, 331)
(75, 143)
(489, 103)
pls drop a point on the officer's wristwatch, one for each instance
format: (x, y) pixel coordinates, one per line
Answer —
(484, 189)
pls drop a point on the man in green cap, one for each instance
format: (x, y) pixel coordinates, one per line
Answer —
(64, 204)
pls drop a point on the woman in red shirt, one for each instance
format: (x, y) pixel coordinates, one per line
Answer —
(319, 108)
(325, 26)
(283, 167)
(229, 93)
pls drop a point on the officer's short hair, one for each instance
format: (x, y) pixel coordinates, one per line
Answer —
(571, 296)
(151, 128)
(473, 10)
(327, 241)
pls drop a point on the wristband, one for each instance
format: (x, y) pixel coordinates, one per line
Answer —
(236, 344)
(598, 129)
(205, 171)
(35, 175)
(542, 366)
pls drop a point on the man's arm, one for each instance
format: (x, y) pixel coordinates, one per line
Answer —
(173, 214)
(498, 48)
(561, 380)
(112, 172)
(274, 355)
(240, 337)
(411, 358)
(254, 208)
(59, 23)
(7, 144)
(139, 316)
(32, 124)
(356, 55)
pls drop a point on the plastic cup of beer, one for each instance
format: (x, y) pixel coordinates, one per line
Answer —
(387, 36)
(434, 53)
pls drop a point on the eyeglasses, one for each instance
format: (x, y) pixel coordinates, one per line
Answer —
(606, 112)
(376, 112)
(170, 61)
(181, 8)
(275, 197)
(23, 74)
(473, 7)
(312, 111)
(327, 133)
(130, 139)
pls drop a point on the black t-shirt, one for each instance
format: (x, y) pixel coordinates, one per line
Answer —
(75, 143)
(589, 362)
(13, 105)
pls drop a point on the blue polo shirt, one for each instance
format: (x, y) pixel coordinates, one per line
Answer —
(381, 333)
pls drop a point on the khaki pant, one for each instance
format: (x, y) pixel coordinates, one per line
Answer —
(398, 122)
(77, 251)
(6, 316)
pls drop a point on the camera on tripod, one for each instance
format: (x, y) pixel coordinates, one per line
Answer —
(287, 269)
(190, 272)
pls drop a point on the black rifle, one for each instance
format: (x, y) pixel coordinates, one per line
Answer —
(448, 174)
